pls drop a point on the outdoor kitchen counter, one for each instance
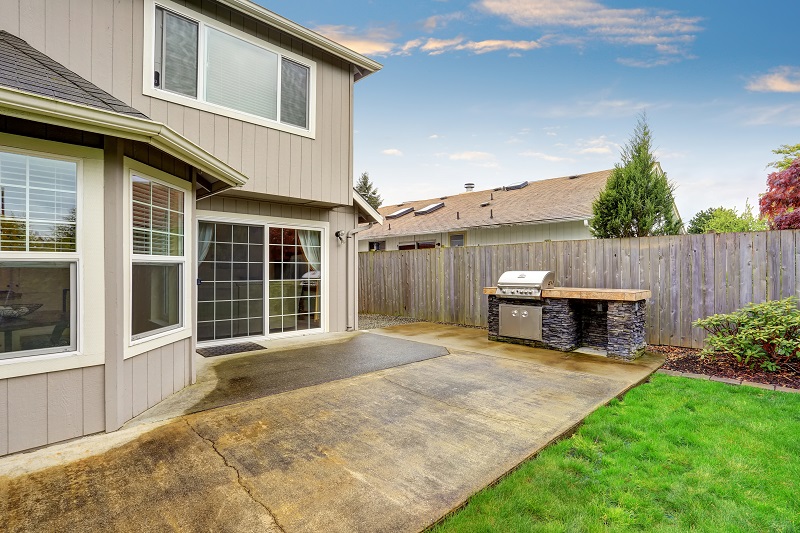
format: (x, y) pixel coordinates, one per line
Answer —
(577, 293)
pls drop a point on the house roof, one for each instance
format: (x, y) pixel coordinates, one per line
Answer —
(549, 200)
(368, 213)
(27, 69)
(364, 65)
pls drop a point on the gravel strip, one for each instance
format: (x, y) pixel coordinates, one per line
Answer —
(382, 321)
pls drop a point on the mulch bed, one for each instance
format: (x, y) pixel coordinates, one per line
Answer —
(724, 366)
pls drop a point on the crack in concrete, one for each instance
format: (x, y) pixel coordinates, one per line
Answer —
(239, 479)
(511, 420)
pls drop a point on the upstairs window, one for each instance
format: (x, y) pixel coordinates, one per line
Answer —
(216, 65)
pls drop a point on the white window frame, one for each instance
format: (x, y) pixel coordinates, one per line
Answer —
(204, 21)
(161, 337)
(268, 222)
(89, 299)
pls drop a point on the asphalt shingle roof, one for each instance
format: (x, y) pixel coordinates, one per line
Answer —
(24, 68)
(542, 201)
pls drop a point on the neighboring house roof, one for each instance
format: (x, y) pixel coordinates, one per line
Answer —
(364, 65)
(369, 213)
(550, 200)
(35, 87)
(27, 69)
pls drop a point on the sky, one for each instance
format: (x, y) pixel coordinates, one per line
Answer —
(500, 91)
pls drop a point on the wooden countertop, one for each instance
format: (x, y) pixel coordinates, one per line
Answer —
(577, 293)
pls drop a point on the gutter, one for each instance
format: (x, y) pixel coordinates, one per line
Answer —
(60, 113)
(350, 271)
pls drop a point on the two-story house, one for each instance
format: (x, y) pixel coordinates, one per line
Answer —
(172, 173)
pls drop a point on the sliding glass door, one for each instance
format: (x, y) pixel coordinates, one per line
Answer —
(233, 283)
(295, 281)
(230, 294)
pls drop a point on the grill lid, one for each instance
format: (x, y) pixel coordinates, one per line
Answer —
(525, 283)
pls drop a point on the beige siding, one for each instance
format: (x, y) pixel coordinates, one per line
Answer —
(150, 377)
(103, 42)
(559, 231)
(342, 218)
(48, 408)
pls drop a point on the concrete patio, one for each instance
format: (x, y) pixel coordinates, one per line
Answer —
(391, 442)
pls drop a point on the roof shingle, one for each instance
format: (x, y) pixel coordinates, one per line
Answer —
(24, 68)
(550, 200)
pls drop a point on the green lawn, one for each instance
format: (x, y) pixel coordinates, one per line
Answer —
(676, 454)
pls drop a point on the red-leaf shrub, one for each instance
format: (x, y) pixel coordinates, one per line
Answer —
(781, 203)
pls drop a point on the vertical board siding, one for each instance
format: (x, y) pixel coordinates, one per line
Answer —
(152, 376)
(690, 276)
(64, 405)
(103, 42)
(27, 412)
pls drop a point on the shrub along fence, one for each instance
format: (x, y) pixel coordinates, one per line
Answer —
(690, 276)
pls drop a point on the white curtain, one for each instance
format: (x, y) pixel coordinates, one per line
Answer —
(204, 238)
(310, 241)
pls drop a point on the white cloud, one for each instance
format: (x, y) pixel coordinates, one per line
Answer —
(375, 41)
(785, 115)
(435, 136)
(598, 146)
(392, 151)
(436, 22)
(667, 32)
(544, 157)
(471, 156)
(779, 80)
(434, 46)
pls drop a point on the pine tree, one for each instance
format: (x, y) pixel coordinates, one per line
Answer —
(366, 189)
(637, 200)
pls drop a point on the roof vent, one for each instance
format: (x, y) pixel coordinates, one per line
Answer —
(484, 204)
(469, 187)
(515, 186)
(401, 212)
(443, 198)
(573, 177)
(429, 209)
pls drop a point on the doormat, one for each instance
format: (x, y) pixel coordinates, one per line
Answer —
(227, 349)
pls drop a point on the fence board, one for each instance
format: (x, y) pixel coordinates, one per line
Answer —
(690, 276)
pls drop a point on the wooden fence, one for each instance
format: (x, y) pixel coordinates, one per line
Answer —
(690, 276)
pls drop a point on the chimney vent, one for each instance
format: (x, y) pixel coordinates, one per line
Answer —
(469, 187)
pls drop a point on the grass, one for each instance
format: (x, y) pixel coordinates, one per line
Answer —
(677, 454)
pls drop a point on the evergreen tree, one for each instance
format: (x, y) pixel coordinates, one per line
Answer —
(637, 200)
(698, 223)
(366, 189)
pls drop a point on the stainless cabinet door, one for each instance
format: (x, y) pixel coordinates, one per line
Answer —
(509, 320)
(530, 322)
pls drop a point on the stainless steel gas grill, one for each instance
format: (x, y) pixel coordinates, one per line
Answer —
(522, 321)
(526, 284)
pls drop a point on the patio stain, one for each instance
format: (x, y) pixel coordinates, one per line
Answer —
(166, 479)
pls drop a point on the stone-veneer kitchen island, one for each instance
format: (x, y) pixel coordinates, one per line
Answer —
(612, 320)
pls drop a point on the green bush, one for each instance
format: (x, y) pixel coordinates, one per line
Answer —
(765, 335)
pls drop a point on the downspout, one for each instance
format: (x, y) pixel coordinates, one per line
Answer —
(351, 308)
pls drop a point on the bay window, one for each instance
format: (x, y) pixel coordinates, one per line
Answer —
(38, 254)
(159, 257)
(227, 71)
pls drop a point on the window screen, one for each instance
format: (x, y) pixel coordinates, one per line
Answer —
(294, 93)
(240, 75)
(176, 53)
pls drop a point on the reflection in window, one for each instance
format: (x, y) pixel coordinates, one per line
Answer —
(295, 266)
(156, 298)
(37, 310)
(38, 203)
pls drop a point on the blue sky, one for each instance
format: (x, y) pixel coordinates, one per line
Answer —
(498, 91)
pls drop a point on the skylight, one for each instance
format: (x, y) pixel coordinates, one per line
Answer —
(519, 185)
(429, 209)
(401, 212)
